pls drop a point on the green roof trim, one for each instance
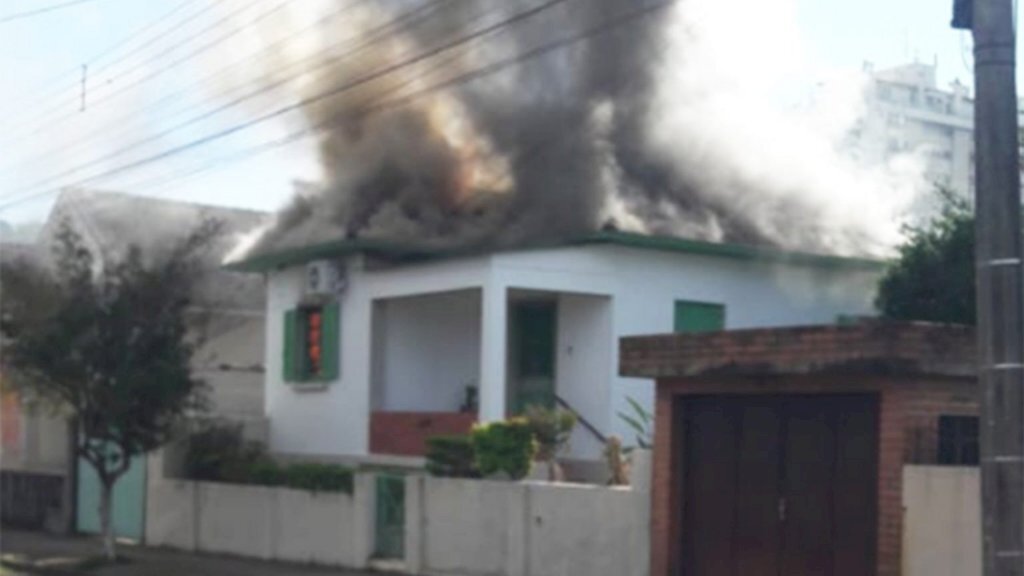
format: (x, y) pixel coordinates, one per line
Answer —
(401, 251)
(737, 251)
(292, 256)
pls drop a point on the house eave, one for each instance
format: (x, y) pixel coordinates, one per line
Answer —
(405, 252)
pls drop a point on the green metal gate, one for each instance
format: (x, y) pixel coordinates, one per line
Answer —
(128, 502)
(389, 533)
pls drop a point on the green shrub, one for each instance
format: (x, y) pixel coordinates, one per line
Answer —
(451, 456)
(506, 446)
(265, 472)
(318, 477)
(218, 453)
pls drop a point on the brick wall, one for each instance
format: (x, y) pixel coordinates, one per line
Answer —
(871, 347)
(406, 433)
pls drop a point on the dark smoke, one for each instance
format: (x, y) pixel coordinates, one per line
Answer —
(567, 130)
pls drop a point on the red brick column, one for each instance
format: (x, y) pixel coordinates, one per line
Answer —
(891, 434)
(664, 500)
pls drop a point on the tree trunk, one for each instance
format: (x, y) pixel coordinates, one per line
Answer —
(107, 520)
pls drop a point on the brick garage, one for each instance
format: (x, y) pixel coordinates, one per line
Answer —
(903, 377)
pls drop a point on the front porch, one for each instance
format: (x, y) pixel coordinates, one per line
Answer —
(443, 361)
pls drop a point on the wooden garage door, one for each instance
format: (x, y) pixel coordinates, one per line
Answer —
(779, 486)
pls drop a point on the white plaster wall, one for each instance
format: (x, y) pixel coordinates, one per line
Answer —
(583, 365)
(334, 419)
(331, 419)
(587, 531)
(327, 528)
(942, 524)
(236, 519)
(479, 527)
(465, 527)
(429, 351)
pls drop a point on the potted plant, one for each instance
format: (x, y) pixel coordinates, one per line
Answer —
(551, 429)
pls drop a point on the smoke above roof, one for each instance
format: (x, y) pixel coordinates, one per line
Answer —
(503, 122)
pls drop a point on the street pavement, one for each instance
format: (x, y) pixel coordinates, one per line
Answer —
(26, 552)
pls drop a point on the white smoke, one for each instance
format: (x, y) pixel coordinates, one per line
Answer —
(721, 119)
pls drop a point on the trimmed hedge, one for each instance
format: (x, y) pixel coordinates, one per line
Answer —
(505, 447)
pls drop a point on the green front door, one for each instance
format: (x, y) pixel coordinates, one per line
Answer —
(534, 330)
(129, 500)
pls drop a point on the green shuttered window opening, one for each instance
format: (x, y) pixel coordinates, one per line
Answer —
(299, 338)
(698, 316)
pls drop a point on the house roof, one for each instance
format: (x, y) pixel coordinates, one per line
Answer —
(408, 252)
(113, 221)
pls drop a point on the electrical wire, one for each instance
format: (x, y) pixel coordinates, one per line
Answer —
(178, 95)
(40, 11)
(157, 72)
(335, 91)
(487, 70)
(39, 100)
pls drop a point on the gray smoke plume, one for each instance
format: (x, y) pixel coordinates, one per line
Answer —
(553, 147)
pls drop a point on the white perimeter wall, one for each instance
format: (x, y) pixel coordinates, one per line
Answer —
(942, 524)
(471, 527)
(429, 349)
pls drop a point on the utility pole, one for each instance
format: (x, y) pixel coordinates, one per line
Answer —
(999, 282)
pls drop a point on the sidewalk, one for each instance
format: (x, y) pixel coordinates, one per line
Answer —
(60, 554)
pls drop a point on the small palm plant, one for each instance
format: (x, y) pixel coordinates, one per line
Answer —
(642, 423)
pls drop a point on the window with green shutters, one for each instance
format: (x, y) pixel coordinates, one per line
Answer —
(698, 316)
(312, 347)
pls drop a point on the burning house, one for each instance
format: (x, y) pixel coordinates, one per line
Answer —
(508, 188)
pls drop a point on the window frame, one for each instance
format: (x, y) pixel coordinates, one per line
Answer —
(957, 440)
(680, 304)
(296, 360)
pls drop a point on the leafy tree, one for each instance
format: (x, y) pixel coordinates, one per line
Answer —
(932, 279)
(112, 346)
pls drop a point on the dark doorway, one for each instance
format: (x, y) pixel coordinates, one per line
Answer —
(779, 485)
(532, 352)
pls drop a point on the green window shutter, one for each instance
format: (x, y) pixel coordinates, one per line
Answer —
(291, 333)
(330, 343)
(698, 316)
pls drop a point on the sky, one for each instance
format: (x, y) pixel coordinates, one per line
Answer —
(137, 91)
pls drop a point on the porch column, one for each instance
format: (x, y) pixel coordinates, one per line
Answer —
(493, 334)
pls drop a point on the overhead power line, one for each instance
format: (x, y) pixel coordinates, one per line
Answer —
(161, 70)
(403, 21)
(337, 90)
(490, 69)
(37, 97)
(39, 11)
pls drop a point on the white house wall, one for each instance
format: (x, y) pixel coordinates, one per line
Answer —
(430, 351)
(334, 419)
(583, 364)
